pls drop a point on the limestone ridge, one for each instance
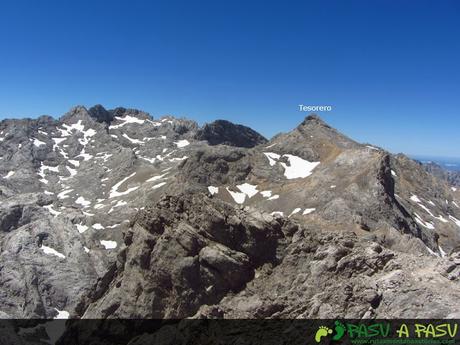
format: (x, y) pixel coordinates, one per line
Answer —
(227, 133)
(115, 213)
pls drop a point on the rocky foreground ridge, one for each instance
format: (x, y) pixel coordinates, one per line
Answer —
(115, 214)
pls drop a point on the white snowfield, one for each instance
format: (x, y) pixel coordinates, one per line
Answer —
(109, 244)
(415, 198)
(182, 143)
(63, 194)
(455, 220)
(238, 197)
(297, 167)
(51, 251)
(296, 210)
(38, 143)
(81, 228)
(82, 201)
(161, 184)
(248, 189)
(157, 177)
(268, 194)
(62, 314)
(9, 174)
(125, 120)
(52, 210)
(213, 190)
(420, 221)
(272, 157)
(134, 141)
(308, 211)
(114, 190)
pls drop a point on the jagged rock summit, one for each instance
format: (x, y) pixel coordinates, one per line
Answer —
(226, 133)
(115, 213)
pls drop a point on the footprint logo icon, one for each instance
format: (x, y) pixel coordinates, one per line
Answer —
(322, 331)
(339, 330)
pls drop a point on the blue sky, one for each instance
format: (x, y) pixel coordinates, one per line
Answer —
(390, 69)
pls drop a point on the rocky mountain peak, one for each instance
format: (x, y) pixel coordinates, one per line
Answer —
(314, 119)
(227, 133)
(99, 113)
(77, 112)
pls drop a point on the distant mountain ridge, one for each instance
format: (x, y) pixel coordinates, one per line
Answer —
(450, 176)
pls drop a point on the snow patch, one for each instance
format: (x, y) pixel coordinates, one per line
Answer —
(248, 189)
(109, 244)
(9, 174)
(298, 167)
(238, 197)
(63, 194)
(81, 228)
(266, 193)
(213, 190)
(74, 162)
(134, 141)
(114, 190)
(62, 314)
(157, 177)
(82, 201)
(84, 155)
(182, 143)
(415, 198)
(272, 157)
(38, 143)
(126, 120)
(420, 221)
(308, 211)
(159, 185)
(51, 251)
(52, 211)
(372, 148)
(177, 159)
(455, 220)
(296, 210)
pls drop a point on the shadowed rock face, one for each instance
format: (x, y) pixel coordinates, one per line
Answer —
(227, 133)
(114, 213)
(99, 113)
(184, 252)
